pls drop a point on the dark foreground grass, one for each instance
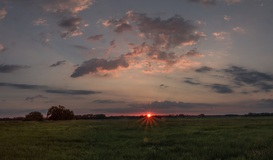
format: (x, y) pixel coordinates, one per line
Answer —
(171, 139)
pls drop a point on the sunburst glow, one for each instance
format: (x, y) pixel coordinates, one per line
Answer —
(148, 121)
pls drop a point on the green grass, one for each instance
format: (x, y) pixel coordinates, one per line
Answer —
(171, 139)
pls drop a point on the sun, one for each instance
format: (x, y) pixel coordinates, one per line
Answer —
(149, 115)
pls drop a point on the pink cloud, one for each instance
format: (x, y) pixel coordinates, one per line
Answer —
(67, 6)
(95, 37)
(3, 13)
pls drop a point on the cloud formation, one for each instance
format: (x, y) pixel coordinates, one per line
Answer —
(3, 13)
(241, 76)
(205, 2)
(72, 27)
(203, 69)
(59, 63)
(169, 104)
(67, 6)
(167, 33)
(95, 37)
(95, 64)
(71, 92)
(31, 99)
(214, 2)
(220, 35)
(221, 88)
(2, 48)
(6, 68)
(106, 101)
(22, 86)
(39, 22)
(48, 89)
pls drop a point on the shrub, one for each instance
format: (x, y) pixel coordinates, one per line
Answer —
(34, 116)
(59, 113)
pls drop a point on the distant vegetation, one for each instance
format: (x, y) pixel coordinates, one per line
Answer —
(59, 113)
(34, 116)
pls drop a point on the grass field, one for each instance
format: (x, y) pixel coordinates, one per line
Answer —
(169, 139)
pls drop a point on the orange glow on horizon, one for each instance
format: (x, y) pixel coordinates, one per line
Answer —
(149, 115)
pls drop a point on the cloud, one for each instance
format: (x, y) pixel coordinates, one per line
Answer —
(193, 53)
(169, 105)
(163, 86)
(205, 2)
(22, 86)
(160, 37)
(239, 77)
(191, 81)
(220, 88)
(242, 76)
(31, 99)
(5, 68)
(232, 1)
(48, 89)
(95, 64)
(39, 22)
(203, 69)
(123, 27)
(2, 48)
(167, 33)
(227, 18)
(3, 13)
(238, 30)
(164, 33)
(95, 37)
(71, 92)
(220, 35)
(72, 26)
(59, 63)
(67, 6)
(81, 47)
(214, 2)
(107, 101)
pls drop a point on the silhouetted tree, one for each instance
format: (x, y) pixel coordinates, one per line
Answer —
(34, 116)
(59, 113)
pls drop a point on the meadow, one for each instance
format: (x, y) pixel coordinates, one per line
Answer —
(232, 138)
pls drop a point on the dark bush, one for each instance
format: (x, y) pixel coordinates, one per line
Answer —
(34, 116)
(59, 113)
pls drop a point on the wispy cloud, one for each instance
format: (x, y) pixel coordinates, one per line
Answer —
(39, 22)
(107, 101)
(3, 13)
(31, 99)
(48, 89)
(241, 76)
(220, 88)
(238, 78)
(2, 48)
(205, 2)
(6, 68)
(72, 26)
(71, 92)
(59, 63)
(204, 69)
(95, 37)
(22, 86)
(67, 6)
(220, 35)
(95, 64)
(227, 18)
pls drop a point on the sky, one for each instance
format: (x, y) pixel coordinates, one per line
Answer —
(131, 57)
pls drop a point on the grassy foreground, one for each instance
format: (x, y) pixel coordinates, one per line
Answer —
(171, 139)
